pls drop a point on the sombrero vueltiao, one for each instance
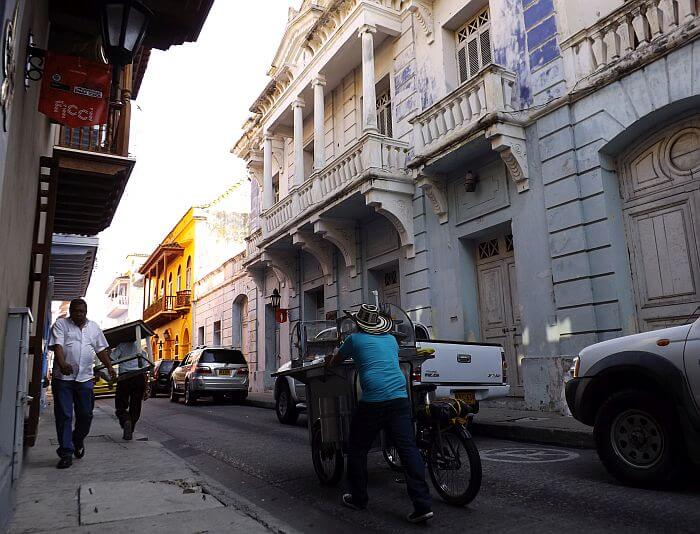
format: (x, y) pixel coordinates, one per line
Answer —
(371, 321)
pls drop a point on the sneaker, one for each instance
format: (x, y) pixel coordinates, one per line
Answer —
(64, 463)
(79, 452)
(350, 502)
(128, 434)
(419, 517)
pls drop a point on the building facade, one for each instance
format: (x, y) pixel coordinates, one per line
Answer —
(125, 294)
(223, 315)
(201, 240)
(525, 172)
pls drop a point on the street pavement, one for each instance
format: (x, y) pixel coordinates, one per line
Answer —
(525, 486)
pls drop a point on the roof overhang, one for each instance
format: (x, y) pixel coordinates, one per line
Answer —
(71, 264)
(168, 250)
(89, 188)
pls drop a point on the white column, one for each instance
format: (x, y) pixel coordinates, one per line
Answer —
(268, 193)
(298, 107)
(369, 97)
(319, 122)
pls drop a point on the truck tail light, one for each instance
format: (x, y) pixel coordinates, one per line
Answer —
(504, 367)
(202, 370)
(416, 374)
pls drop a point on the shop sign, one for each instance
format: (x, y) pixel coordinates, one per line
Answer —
(75, 91)
(281, 315)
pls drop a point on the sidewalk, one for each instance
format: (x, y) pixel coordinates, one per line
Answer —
(506, 423)
(122, 486)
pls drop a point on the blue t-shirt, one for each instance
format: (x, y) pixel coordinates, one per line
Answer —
(377, 360)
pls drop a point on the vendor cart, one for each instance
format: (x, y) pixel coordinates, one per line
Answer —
(135, 331)
(333, 393)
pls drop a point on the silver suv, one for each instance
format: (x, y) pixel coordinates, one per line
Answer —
(210, 371)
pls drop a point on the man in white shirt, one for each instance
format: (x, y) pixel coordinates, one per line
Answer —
(131, 387)
(75, 341)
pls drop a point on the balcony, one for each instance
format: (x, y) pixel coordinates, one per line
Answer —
(372, 155)
(110, 138)
(119, 306)
(459, 113)
(253, 243)
(630, 35)
(163, 310)
(183, 300)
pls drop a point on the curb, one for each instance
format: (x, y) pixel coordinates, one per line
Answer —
(545, 436)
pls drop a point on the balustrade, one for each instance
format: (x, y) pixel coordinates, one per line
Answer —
(161, 304)
(491, 90)
(628, 29)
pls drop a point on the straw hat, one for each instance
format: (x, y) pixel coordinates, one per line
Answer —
(371, 321)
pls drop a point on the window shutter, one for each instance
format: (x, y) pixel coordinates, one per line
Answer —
(462, 65)
(485, 41)
(474, 46)
(474, 65)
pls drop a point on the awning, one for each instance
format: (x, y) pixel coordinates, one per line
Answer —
(71, 264)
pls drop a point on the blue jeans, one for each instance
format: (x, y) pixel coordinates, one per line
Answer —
(69, 396)
(395, 417)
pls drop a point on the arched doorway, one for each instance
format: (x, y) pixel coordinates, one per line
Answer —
(239, 324)
(660, 188)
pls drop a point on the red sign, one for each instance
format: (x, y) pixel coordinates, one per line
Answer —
(281, 315)
(75, 91)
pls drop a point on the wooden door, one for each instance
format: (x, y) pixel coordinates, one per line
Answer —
(660, 187)
(498, 302)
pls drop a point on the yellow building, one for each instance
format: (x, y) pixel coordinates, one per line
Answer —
(202, 239)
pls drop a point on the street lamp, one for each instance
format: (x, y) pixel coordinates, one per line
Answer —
(124, 24)
(275, 299)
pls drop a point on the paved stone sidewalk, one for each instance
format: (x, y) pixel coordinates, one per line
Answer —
(497, 421)
(121, 486)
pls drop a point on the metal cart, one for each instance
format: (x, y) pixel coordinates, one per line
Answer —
(332, 394)
(127, 333)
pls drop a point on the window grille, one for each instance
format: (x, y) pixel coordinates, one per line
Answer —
(509, 243)
(474, 46)
(488, 249)
(384, 114)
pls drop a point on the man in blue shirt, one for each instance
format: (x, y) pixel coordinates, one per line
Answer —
(384, 405)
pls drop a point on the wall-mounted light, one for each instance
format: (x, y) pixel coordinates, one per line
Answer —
(124, 24)
(470, 180)
(275, 299)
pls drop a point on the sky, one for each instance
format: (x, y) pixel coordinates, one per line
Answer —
(188, 114)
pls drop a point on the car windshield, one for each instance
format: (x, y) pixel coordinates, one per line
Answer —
(222, 356)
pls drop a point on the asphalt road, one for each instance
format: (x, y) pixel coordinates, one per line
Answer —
(525, 487)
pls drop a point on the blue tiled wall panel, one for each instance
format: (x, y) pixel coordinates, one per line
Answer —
(545, 54)
(538, 11)
(541, 33)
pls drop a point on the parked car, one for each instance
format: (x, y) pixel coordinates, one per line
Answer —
(471, 372)
(641, 394)
(159, 377)
(210, 371)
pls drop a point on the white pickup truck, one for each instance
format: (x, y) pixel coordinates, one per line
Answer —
(641, 394)
(469, 371)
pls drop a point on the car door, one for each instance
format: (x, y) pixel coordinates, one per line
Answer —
(179, 372)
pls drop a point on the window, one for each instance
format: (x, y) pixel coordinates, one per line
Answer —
(170, 284)
(188, 274)
(222, 356)
(276, 188)
(200, 335)
(474, 46)
(179, 277)
(162, 286)
(384, 114)
(217, 334)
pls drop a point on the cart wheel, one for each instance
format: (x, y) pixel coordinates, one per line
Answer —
(391, 457)
(329, 463)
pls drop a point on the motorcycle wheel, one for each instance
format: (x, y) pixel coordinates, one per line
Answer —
(454, 465)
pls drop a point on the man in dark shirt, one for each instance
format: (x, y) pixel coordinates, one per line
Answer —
(384, 405)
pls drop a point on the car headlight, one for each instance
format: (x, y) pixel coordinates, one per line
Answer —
(575, 367)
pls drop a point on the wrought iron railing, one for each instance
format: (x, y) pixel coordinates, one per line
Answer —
(160, 305)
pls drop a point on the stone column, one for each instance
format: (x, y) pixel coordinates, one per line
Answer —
(298, 108)
(369, 97)
(319, 122)
(268, 193)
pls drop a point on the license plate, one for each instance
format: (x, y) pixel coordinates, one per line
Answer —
(466, 396)
(224, 372)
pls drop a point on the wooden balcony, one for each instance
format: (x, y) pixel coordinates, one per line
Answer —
(109, 138)
(162, 311)
(183, 300)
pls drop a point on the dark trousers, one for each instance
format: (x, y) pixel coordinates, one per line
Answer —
(70, 396)
(394, 416)
(128, 399)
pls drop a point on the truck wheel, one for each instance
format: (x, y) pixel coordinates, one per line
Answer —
(637, 438)
(286, 409)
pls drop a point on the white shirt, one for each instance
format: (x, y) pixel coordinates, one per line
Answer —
(80, 345)
(126, 349)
